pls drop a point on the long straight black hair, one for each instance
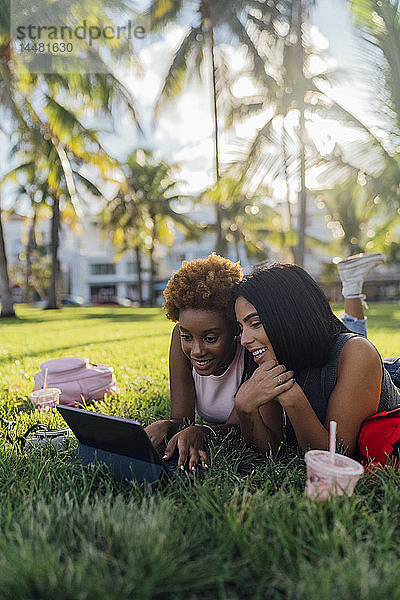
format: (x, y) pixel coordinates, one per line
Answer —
(294, 312)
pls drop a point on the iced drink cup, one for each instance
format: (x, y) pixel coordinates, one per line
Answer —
(45, 399)
(325, 478)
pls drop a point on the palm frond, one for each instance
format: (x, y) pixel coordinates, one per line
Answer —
(89, 185)
(163, 12)
(258, 61)
(65, 125)
(379, 23)
(27, 169)
(190, 49)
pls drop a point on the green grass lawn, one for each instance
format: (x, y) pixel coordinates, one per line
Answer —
(244, 532)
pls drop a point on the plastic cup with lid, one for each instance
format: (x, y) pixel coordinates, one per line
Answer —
(326, 478)
(45, 399)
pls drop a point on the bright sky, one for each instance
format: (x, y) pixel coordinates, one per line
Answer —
(184, 131)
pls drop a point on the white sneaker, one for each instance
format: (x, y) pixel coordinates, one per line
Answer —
(353, 270)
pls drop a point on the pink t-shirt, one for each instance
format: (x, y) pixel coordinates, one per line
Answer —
(215, 393)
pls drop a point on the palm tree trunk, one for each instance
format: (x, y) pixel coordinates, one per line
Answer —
(291, 249)
(152, 276)
(27, 274)
(152, 262)
(302, 154)
(220, 243)
(28, 258)
(287, 181)
(302, 196)
(38, 288)
(237, 242)
(7, 304)
(139, 274)
(54, 291)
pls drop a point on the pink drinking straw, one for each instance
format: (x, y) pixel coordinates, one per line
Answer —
(332, 441)
(46, 372)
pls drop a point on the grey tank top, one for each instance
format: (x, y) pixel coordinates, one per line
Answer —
(318, 383)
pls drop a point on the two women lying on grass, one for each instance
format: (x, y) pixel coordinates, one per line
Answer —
(293, 362)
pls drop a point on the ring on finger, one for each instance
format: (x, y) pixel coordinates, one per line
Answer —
(279, 380)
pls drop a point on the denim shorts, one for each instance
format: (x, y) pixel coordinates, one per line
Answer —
(353, 324)
(392, 365)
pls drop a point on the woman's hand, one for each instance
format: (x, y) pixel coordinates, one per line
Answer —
(266, 383)
(190, 443)
(159, 431)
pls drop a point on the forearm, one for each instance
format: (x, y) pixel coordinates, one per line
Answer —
(177, 423)
(223, 428)
(310, 432)
(256, 432)
(182, 391)
(231, 422)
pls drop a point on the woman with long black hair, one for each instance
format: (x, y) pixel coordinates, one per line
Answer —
(308, 367)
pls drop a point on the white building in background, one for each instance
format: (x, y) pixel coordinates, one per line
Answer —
(93, 272)
(87, 264)
(89, 269)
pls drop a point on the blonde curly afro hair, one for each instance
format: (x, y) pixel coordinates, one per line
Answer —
(205, 284)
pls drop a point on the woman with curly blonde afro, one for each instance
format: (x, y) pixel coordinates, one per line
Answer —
(206, 359)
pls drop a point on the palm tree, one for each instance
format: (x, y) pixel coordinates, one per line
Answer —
(143, 216)
(286, 154)
(376, 155)
(45, 165)
(122, 219)
(359, 220)
(378, 23)
(300, 85)
(365, 204)
(31, 248)
(46, 108)
(239, 17)
(7, 304)
(248, 219)
(379, 27)
(283, 149)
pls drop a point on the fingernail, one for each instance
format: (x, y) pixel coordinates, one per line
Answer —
(193, 468)
(182, 468)
(294, 379)
(206, 466)
(293, 373)
(165, 456)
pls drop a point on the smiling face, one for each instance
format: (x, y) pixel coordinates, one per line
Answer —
(207, 339)
(253, 336)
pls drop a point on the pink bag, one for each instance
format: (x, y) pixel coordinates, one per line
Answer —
(77, 379)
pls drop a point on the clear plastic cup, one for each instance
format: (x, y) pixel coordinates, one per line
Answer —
(325, 478)
(45, 399)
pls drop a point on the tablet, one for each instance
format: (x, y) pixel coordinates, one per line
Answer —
(122, 443)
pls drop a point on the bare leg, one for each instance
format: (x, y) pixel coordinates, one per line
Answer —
(354, 307)
(352, 272)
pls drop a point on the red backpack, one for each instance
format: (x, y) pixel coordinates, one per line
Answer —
(379, 439)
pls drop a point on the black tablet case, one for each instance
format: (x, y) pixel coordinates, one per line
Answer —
(121, 443)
